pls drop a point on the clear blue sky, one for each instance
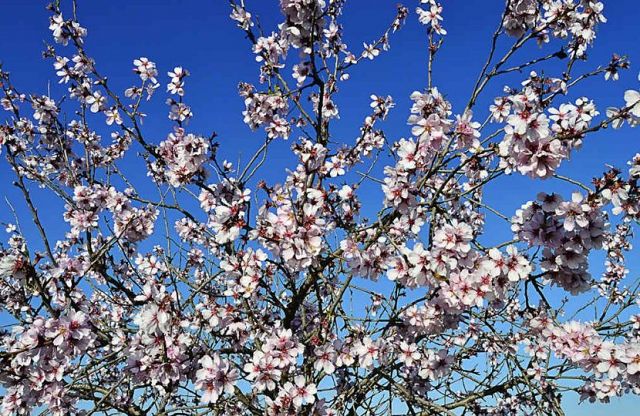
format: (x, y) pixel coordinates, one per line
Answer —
(198, 35)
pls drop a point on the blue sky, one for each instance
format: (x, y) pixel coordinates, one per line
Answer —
(198, 35)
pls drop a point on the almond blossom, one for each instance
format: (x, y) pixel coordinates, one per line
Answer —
(337, 265)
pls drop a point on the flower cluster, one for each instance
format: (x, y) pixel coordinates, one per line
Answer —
(267, 110)
(304, 22)
(568, 231)
(131, 223)
(572, 19)
(615, 367)
(244, 273)
(215, 377)
(41, 355)
(278, 353)
(521, 16)
(431, 17)
(176, 86)
(533, 145)
(430, 118)
(296, 238)
(65, 30)
(180, 157)
(226, 204)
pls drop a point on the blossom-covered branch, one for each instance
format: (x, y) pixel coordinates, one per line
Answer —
(207, 290)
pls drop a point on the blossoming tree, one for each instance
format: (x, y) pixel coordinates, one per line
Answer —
(263, 298)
